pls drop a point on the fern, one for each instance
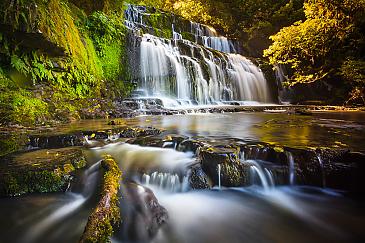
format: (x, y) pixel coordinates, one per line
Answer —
(19, 64)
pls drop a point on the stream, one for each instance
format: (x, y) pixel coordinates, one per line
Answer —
(262, 212)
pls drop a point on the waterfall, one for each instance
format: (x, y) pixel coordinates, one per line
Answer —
(209, 38)
(219, 176)
(72, 202)
(291, 167)
(263, 174)
(167, 181)
(322, 170)
(205, 71)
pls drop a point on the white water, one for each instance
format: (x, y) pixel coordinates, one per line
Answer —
(322, 170)
(280, 215)
(291, 168)
(263, 174)
(170, 182)
(73, 203)
(131, 157)
(219, 176)
(209, 38)
(180, 69)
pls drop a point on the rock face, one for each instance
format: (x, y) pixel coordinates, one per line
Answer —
(99, 227)
(198, 179)
(39, 171)
(343, 169)
(142, 221)
(232, 171)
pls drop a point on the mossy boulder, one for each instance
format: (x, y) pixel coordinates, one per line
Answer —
(232, 171)
(99, 227)
(39, 171)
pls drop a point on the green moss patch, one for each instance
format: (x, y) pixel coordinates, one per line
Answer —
(39, 171)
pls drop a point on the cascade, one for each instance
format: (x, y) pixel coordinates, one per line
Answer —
(219, 176)
(263, 174)
(131, 157)
(205, 71)
(291, 167)
(209, 38)
(322, 170)
(167, 181)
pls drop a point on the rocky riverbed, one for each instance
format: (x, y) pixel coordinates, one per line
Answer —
(182, 153)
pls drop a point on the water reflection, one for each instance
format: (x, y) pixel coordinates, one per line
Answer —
(344, 130)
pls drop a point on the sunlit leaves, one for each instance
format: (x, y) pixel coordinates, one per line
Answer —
(313, 49)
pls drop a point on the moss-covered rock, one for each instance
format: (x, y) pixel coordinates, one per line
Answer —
(99, 227)
(39, 171)
(232, 171)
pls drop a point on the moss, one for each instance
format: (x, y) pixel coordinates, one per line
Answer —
(82, 68)
(99, 227)
(18, 183)
(39, 171)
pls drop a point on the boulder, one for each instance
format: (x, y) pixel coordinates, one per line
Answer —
(198, 179)
(39, 171)
(233, 172)
(143, 215)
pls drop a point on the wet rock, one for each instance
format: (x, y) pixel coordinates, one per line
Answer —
(133, 132)
(307, 168)
(233, 172)
(55, 141)
(143, 215)
(190, 145)
(198, 179)
(173, 140)
(39, 171)
(261, 151)
(150, 141)
(343, 169)
(106, 214)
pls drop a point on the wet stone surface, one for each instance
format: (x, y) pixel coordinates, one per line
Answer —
(39, 171)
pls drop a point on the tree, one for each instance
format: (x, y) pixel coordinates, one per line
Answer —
(317, 48)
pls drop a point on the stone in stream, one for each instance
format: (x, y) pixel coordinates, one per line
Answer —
(143, 216)
(343, 169)
(133, 132)
(233, 172)
(190, 145)
(55, 141)
(39, 171)
(198, 179)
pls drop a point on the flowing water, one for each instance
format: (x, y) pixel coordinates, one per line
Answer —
(54, 217)
(262, 212)
(183, 70)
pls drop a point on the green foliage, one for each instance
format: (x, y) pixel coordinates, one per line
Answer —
(353, 72)
(317, 48)
(93, 60)
(108, 35)
(20, 107)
